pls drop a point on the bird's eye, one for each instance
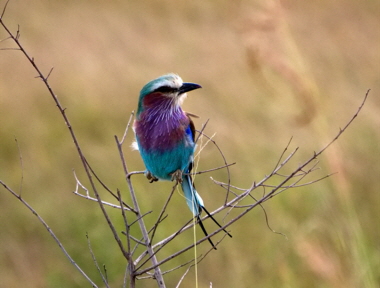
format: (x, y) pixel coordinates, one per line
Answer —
(166, 89)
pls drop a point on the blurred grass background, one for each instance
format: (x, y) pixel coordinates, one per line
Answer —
(270, 70)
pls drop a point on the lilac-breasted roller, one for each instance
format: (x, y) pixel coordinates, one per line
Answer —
(165, 137)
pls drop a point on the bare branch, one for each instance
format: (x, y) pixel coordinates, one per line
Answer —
(52, 234)
(127, 128)
(15, 38)
(51, 70)
(21, 166)
(162, 212)
(282, 154)
(135, 173)
(225, 163)
(158, 273)
(95, 261)
(109, 190)
(200, 132)
(125, 224)
(88, 197)
(5, 7)
(209, 170)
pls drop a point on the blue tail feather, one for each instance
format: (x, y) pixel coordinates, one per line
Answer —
(194, 201)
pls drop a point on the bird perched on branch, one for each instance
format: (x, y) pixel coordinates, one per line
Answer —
(165, 137)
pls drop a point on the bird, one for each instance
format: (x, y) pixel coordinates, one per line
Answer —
(165, 138)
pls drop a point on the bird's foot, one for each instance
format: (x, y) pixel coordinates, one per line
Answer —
(150, 177)
(177, 176)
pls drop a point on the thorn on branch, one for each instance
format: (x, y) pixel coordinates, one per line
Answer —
(17, 33)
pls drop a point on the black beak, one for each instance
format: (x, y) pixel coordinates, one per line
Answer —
(186, 87)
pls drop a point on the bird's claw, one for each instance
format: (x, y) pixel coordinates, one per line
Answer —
(150, 177)
(177, 175)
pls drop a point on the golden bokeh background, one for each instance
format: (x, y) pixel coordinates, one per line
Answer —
(270, 70)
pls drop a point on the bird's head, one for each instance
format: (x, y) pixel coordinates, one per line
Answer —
(164, 90)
